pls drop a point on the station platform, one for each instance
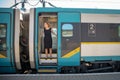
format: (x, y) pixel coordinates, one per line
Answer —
(86, 76)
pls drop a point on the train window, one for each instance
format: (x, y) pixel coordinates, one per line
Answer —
(2, 40)
(67, 30)
(119, 30)
(2, 31)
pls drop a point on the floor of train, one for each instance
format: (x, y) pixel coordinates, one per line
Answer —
(86, 76)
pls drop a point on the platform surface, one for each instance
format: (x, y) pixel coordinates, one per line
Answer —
(88, 76)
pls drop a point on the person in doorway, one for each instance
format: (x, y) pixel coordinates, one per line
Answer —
(48, 39)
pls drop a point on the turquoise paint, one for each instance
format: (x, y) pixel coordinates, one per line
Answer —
(12, 37)
(6, 10)
(75, 59)
(6, 17)
(7, 70)
(72, 61)
(93, 58)
(68, 17)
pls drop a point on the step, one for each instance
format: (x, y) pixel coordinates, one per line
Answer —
(44, 55)
(48, 58)
(48, 64)
(48, 53)
(44, 60)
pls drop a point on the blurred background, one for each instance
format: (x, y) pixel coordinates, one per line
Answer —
(99, 4)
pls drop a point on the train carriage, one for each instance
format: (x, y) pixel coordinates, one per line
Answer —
(86, 38)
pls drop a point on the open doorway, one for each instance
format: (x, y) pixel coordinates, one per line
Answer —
(51, 18)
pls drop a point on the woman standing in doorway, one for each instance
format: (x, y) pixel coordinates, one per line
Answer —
(48, 39)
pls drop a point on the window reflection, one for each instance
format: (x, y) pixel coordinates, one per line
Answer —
(2, 31)
(119, 30)
(3, 41)
(67, 30)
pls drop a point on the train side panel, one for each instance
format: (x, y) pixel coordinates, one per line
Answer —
(6, 49)
(9, 40)
(100, 37)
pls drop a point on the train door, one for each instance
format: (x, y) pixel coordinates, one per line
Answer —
(4, 38)
(37, 54)
(68, 39)
(50, 18)
(6, 49)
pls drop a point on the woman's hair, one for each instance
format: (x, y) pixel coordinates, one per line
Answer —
(47, 24)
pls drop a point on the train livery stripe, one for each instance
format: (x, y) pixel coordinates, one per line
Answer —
(2, 56)
(71, 53)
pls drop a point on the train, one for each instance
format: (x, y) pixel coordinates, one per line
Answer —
(88, 40)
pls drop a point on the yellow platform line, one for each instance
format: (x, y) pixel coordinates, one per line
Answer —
(2, 56)
(47, 70)
(71, 53)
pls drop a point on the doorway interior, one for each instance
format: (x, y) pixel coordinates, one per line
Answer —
(51, 18)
